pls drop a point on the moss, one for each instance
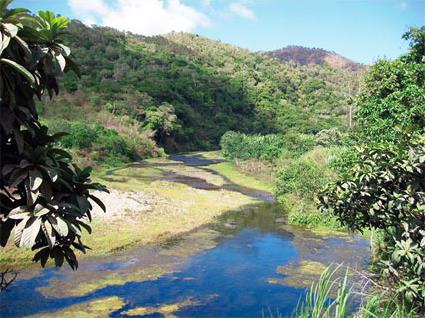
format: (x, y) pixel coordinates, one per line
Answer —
(305, 267)
(95, 308)
(300, 274)
(116, 279)
(91, 281)
(330, 232)
(167, 310)
(192, 243)
(176, 208)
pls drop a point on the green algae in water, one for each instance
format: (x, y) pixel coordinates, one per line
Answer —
(167, 310)
(235, 267)
(94, 308)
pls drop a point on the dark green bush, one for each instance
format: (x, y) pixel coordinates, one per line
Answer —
(105, 145)
(301, 177)
(295, 145)
(80, 135)
(268, 147)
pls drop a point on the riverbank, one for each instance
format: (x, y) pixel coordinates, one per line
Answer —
(158, 200)
(176, 232)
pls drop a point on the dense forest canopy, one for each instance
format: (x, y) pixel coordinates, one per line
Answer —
(187, 90)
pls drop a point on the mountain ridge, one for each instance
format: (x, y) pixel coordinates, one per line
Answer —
(186, 90)
(317, 56)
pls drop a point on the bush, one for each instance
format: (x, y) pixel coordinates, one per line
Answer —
(105, 146)
(295, 145)
(303, 212)
(80, 135)
(268, 147)
(231, 144)
(301, 177)
(329, 137)
(385, 191)
(241, 146)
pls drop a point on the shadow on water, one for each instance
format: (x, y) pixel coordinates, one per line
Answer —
(220, 270)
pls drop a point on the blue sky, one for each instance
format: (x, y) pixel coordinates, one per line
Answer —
(362, 30)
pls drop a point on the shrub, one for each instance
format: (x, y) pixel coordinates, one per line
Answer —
(231, 144)
(44, 196)
(304, 212)
(302, 177)
(295, 145)
(104, 145)
(267, 147)
(385, 191)
(80, 135)
(329, 137)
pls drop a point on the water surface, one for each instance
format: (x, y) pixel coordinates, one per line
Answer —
(225, 269)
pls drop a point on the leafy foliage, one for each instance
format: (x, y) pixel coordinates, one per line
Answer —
(392, 99)
(105, 145)
(301, 177)
(188, 90)
(268, 147)
(329, 137)
(44, 199)
(382, 185)
(386, 192)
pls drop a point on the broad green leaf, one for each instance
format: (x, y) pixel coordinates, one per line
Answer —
(98, 202)
(4, 42)
(30, 232)
(13, 29)
(40, 210)
(59, 225)
(19, 68)
(18, 231)
(36, 179)
(48, 233)
(61, 61)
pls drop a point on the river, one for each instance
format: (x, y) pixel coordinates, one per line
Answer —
(249, 263)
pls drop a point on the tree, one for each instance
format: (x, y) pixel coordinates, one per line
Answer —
(44, 198)
(162, 121)
(393, 95)
(383, 184)
(387, 193)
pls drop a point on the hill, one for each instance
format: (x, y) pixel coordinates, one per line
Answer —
(185, 91)
(307, 56)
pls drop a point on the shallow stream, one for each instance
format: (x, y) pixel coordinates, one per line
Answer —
(247, 264)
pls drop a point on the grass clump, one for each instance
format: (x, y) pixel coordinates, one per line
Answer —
(379, 306)
(322, 301)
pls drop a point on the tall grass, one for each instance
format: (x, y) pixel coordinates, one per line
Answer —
(327, 298)
(379, 305)
(331, 295)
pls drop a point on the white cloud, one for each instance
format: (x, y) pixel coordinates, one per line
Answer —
(403, 5)
(147, 17)
(242, 10)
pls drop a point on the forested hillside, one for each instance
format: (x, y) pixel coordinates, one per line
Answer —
(186, 91)
(307, 56)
